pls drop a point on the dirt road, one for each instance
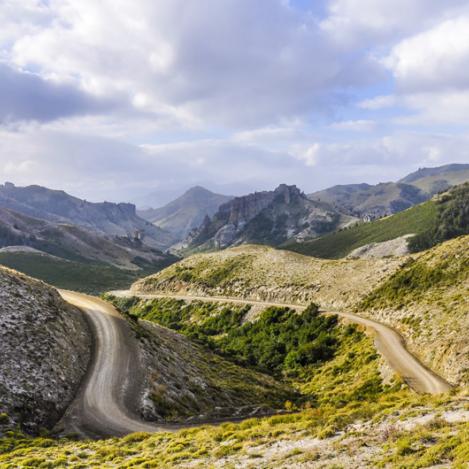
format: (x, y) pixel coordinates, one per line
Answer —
(389, 342)
(106, 404)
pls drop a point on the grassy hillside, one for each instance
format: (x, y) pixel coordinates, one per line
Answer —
(336, 245)
(71, 275)
(452, 219)
(428, 301)
(264, 273)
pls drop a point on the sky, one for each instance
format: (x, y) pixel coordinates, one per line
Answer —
(117, 99)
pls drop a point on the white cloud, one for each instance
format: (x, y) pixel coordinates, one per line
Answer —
(437, 59)
(361, 125)
(235, 63)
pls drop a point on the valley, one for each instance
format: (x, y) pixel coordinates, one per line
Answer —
(351, 351)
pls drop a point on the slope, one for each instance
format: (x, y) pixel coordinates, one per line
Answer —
(263, 273)
(428, 301)
(187, 212)
(433, 180)
(44, 349)
(415, 220)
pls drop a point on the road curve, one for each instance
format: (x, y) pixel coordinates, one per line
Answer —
(388, 341)
(105, 403)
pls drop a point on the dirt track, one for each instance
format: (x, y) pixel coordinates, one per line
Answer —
(106, 402)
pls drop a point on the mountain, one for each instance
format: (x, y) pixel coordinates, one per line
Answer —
(187, 212)
(74, 242)
(433, 180)
(45, 348)
(368, 201)
(269, 217)
(375, 201)
(443, 217)
(104, 218)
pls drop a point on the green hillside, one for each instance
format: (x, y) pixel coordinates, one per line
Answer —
(336, 245)
(88, 278)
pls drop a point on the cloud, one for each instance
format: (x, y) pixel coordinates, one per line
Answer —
(25, 96)
(356, 22)
(360, 125)
(434, 60)
(235, 63)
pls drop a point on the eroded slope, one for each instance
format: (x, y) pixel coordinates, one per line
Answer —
(44, 350)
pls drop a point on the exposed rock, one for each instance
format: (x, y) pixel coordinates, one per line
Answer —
(44, 350)
(393, 247)
(270, 217)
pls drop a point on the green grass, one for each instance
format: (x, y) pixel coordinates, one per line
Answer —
(206, 445)
(79, 276)
(336, 245)
(431, 274)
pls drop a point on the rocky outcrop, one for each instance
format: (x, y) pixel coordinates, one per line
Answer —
(44, 350)
(393, 247)
(270, 217)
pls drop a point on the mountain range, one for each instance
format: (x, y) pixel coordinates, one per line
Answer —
(105, 218)
(36, 220)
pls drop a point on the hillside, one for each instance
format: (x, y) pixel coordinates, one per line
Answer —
(45, 347)
(269, 217)
(452, 219)
(264, 273)
(428, 301)
(186, 381)
(367, 201)
(105, 218)
(87, 277)
(186, 212)
(339, 244)
(433, 180)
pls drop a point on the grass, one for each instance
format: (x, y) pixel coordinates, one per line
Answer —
(339, 244)
(72, 275)
(204, 445)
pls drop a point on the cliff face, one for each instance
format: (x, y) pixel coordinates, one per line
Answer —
(265, 217)
(44, 350)
(105, 218)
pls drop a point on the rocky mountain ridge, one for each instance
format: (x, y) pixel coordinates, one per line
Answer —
(269, 217)
(75, 242)
(104, 218)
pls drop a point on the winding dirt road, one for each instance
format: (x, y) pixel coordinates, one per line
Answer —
(389, 342)
(106, 404)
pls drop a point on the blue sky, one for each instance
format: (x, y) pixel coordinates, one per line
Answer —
(118, 99)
